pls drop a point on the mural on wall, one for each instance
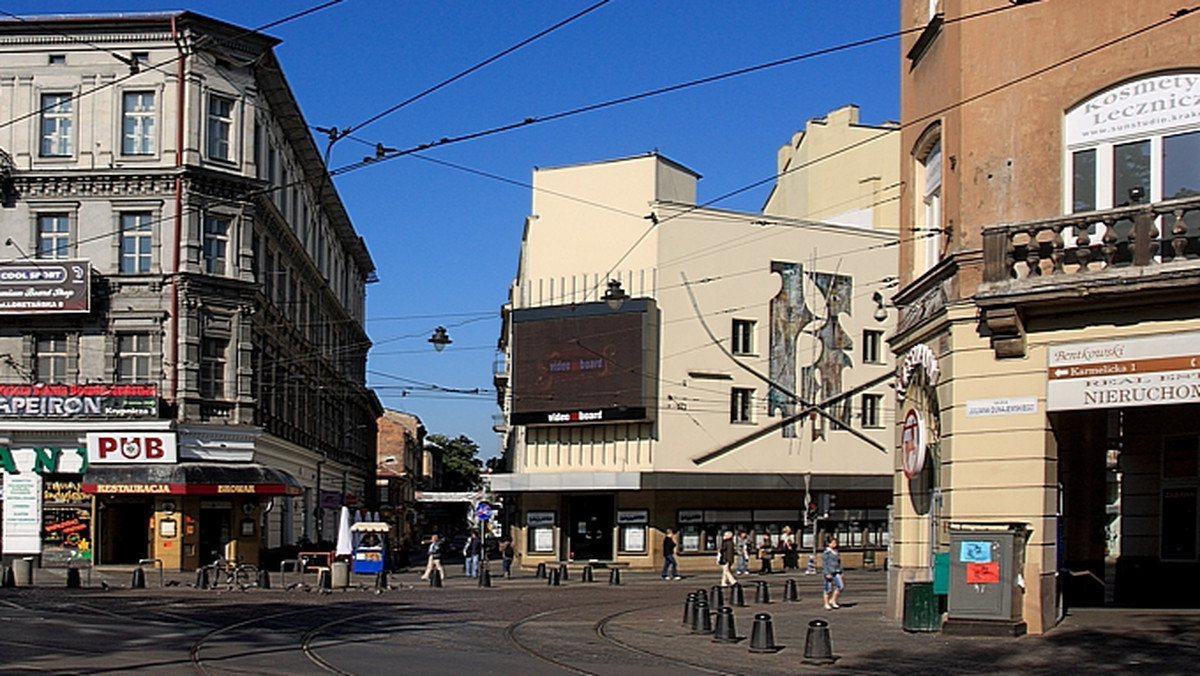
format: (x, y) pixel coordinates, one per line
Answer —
(791, 314)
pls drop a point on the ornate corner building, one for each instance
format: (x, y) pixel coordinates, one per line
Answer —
(1048, 315)
(182, 294)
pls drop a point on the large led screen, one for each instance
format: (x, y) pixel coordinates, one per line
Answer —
(583, 364)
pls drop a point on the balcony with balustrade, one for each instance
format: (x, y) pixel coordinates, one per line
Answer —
(1142, 257)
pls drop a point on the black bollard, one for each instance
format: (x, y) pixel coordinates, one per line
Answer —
(724, 632)
(588, 576)
(702, 595)
(737, 596)
(614, 577)
(552, 578)
(73, 578)
(762, 636)
(435, 579)
(817, 646)
(485, 577)
(381, 581)
(762, 594)
(789, 591)
(563, 573)
(703, 622)
(10, 579)
(139, 579)
(718, 597)
(325, 582)
(264, 579)
(541, 571)
(202, 578)
(689, 609)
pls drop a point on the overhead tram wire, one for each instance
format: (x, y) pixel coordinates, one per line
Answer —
(528, 121)
(444, 141)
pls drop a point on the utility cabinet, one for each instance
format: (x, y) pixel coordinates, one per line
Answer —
(987, 562)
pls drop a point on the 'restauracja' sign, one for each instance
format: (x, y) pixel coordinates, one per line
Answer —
(78, 401)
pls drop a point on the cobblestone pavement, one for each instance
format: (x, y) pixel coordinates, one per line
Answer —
(525, 626)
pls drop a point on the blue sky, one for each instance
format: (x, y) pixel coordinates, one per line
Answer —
(445, 240)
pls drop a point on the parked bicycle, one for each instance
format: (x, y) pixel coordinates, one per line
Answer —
(232, 574)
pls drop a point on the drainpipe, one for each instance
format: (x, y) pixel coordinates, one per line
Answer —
(180, 117)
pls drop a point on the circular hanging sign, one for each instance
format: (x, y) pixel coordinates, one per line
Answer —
(912, 443)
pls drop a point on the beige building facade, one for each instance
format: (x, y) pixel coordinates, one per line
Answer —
(680, 406)
(1048, 324)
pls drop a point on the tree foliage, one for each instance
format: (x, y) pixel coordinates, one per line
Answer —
(460, 466)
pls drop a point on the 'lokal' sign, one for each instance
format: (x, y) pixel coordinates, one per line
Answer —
(111, 448)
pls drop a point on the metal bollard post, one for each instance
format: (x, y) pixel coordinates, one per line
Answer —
(762, 636)
(703, 621)
(264, 579)
(553, 578)
(541, 571)
(614, 577)
(790, 593)
(73, 578)
(9, 578)
(817, 646)
(485, 577)
(563, 573)
(737, 595)
(435, 579)
(762, 594)
(588, 576)
(724, 632)
(202, 577)
(689, 609)
(325, 580)
(139, 579)
(718, 597)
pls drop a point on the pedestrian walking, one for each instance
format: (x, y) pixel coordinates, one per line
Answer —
(471, 555)
(434, 561)
(507, 554)
(743, 553)
(726, 559)
(766, 553)
(669, 564)
(831, 568)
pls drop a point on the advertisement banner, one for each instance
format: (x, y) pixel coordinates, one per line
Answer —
(41, 400)
(1122, 372)
(45, 287)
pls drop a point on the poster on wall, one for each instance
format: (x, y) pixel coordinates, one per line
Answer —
(66, 524)
(22, 514)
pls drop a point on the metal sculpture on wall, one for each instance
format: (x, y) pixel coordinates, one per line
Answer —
(821, 378)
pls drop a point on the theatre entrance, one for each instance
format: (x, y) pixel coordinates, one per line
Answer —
(590, 522)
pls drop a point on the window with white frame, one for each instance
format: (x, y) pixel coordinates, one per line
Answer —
(741, 405)
(54, 236)
(216, 243)
(50, 358)
(220, 127)
(1135, 142)
(871, 404)
(137, 241)
(743, 336)
(872, 346)
(134, 356)
(56, 116)
(137, 123)
(212, 367)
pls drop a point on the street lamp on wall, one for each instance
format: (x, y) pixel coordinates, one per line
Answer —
(440, 338)
(615, 296)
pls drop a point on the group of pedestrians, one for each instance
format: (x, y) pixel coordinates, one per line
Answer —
(472, 555)
(733, 559)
